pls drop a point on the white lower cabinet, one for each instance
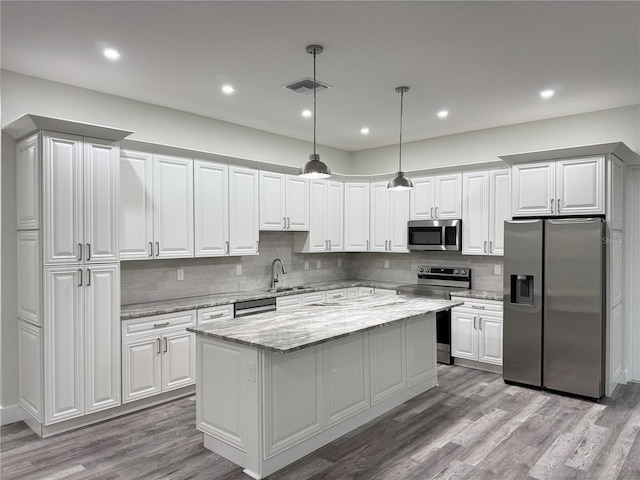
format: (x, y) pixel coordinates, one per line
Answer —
(158, 354)
(388, 363)
(476, 331)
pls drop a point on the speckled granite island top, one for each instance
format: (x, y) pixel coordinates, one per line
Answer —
(481, 294)
(294, 329)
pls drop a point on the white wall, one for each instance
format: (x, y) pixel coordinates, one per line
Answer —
(620, 124)
(23, 94)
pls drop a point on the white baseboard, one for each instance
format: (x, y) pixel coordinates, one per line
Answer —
(10, 414)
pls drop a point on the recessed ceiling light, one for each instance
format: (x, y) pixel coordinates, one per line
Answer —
(228, 89)
(443, 113)
(307, 113)
(364, 130)
(547, 93)
(111, 53)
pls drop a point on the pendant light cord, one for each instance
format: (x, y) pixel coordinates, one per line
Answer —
(400, 153)
(314, 101)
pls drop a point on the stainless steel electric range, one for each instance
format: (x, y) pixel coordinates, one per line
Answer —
(440, 282)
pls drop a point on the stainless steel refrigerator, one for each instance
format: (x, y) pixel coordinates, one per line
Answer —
(554, 304)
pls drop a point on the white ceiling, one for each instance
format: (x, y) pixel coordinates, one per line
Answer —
(483, 61)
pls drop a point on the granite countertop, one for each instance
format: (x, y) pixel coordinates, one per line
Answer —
(138, 310)
(481, 294)
(297, 328)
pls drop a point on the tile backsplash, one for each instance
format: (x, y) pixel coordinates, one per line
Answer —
(152, 280)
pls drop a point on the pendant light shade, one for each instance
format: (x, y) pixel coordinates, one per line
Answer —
(314, 168)
(400, 182)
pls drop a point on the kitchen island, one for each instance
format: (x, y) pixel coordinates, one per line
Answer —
(274, 387)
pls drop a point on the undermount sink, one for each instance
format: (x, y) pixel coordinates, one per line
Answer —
(285, 289)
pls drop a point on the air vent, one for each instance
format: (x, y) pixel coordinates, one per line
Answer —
(305, 86)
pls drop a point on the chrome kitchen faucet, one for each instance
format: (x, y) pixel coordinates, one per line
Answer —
(274, 274)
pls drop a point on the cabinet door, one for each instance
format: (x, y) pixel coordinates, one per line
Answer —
(356, 217)
(379, 219)
(448, 197)
(421, 348)
(243, 211)
(387, 349)
(211, 207)
(178, 360)
(102, 336)
(141, 368)
(335, 216)
(464, 334)
(616, 211)
(30, 369)
(475, 213)
(28, 183)
(63, 205)
(29, 276)
(397, 220)
(273, 215)
(490, 339)
(136, 205)
(318, 222)
(422, 198)
(101, 200)
(347, 384)
(63, 343)
(297, 203)
(580, 186)
(173, 206)
(533, 189)
(499, 209)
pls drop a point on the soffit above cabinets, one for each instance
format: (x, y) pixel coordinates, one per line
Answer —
(619, 149)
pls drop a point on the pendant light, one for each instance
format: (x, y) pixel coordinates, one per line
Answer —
(400, 182)
(314, 168)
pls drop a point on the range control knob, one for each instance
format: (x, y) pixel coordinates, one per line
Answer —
(456, 272)
(421, 270)
(463, 272)
(427, 270)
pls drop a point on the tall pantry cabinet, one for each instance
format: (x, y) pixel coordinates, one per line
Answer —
(68, 276)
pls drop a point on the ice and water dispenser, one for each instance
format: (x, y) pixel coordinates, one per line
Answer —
(522, 289)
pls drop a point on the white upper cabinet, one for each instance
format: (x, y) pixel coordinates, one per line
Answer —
(156, 206)
(284, 202)
(81, 189)
(28, 178)
(436, 197)
(211, 207)
(173, 202)
(388, 219)
(356, 217)
(326, 200)
(485, 207)
(616, 202)
(563, 187)
(244, 213)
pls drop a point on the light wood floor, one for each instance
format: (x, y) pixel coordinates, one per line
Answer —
(472, 426)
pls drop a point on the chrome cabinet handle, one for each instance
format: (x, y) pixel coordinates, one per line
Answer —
(158, 339)
(491, 246)
(484, 248)
(478, 307)
(151, 249)
(474, 322)
(284, 222)
(337, 295)
(558, 205)
(367, 244)
(329, 244)
(158, 325)
(257, 247)
(79, 251)
(552, 205)
(431, 212)
(436, 212)
(326, 245)
(226, 246)
(80, 277)
(157, 249)
(166, 345)
(213, 315)
(385, 244)
(88, 251)
(480, 323)
(88, 277)
(289, 222)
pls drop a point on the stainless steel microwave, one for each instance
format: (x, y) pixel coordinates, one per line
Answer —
(435, 234)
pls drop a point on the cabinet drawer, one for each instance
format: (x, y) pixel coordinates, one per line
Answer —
(288, 301)
(211, 314)
(158, 323)
(336, 294)
(313, 297)
(479, 304)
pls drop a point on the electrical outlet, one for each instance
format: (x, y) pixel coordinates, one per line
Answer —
(497, 269)
(318, 264)
(386, 264)
(238, 269)
(339, 262)
(306, 264)
(180, 274)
